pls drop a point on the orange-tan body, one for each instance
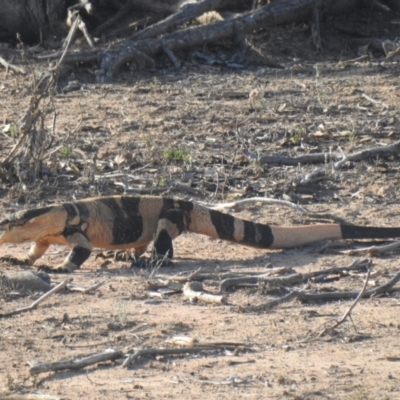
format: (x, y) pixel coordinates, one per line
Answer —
(132, 223)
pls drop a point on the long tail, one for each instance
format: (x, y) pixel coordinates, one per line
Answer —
(224, 226)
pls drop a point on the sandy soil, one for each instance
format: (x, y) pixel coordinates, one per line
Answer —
(198, 127)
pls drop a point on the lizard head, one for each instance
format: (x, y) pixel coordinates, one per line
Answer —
(24, 226)
(13, 229)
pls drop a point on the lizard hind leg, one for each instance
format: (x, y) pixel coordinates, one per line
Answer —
(81, 250)
(170, 225)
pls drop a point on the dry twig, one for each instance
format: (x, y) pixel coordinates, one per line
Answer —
(76, 288)
(373, 250)
(56, 289)
(180, 350)
(76, 364)
(348, 312)
(194, 292)
(292, 278)
(306, 296)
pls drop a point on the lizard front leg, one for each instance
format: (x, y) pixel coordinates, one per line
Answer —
(81, 250)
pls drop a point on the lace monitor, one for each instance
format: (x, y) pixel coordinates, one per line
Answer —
(132, 222)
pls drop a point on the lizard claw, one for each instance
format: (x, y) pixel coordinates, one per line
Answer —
(14, 260)
(51, 270)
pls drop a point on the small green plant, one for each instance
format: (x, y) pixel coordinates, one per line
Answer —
(147, 140)
(66, 151)
(350, 133)
(298, 135)
(155, 83)
(177, 155)
(13, 131)
(162, 182)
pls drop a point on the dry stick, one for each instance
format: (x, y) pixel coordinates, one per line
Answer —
(13, 67)
(76, 364)
(193, 291)
(56, 289)
(383, 151)
(290, 279)
(274, 14)
(75, 288)
(187, 341)
(177, 278)
(235, 205)
(373, 101)
(180, 350)
(184, 15)
(304, 296)
(232, 380)
(351, 308)
(373, 250)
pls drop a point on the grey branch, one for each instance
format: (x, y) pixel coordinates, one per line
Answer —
(56, 289)
(292, 278)
(388, 287)
(76, 364)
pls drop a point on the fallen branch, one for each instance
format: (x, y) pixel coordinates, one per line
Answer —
(290, 279)
(180, 350)
(186, 14)
(232, 380)
(194, 292)
(13, 67)
(185, 39)
(236, 205)
(186, 341)
(76, 364)
(373, 250)
(56, 289)
(383, 151)
(306, 296)
(76, 288)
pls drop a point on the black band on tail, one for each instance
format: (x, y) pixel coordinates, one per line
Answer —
(368, 232)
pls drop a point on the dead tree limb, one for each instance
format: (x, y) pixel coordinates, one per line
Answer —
(276, 13)
(180, 350)
(76, 364)
(388, 287)
(383, 151)
(188, 13)
(12, 67)
(373, 250)
(292, 278)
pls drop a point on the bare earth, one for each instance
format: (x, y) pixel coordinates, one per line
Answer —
(136, 125)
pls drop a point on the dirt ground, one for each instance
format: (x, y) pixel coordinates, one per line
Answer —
(197, 127)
